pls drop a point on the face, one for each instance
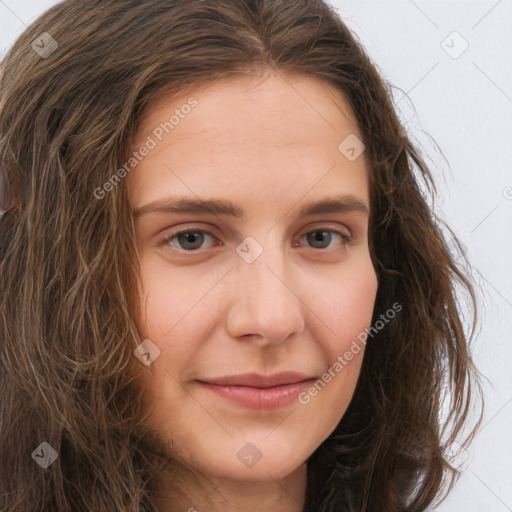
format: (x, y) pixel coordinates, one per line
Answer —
(253, 298)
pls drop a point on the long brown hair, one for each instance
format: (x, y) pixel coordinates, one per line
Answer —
(68, 263)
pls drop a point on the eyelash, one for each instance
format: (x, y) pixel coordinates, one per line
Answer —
(347, 239)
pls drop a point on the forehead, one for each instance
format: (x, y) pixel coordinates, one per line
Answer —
(273, 95)
(261, 134)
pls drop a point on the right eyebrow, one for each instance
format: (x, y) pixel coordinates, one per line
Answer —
(193, 206)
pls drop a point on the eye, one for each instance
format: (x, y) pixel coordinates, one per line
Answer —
(188, 239)
(191, 240)
(319, 237)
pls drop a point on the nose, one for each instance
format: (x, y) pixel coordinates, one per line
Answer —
(265, 298)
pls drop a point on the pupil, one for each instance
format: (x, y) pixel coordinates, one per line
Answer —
(317, 236)
(185, 238)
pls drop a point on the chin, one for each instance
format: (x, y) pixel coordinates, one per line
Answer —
(253, 461)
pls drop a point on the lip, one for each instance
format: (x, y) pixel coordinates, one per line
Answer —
(256, 380)
(264, 392)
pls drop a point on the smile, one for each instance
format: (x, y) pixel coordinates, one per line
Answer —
(258, 397)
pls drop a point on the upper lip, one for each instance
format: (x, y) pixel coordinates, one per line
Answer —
(257, 380)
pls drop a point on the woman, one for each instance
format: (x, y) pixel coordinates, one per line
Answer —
(261, 370)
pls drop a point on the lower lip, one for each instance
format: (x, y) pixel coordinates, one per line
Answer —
(260, 398)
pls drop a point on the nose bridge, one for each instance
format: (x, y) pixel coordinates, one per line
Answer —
(265, 302)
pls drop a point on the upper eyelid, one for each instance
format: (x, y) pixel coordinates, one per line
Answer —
(211, 231)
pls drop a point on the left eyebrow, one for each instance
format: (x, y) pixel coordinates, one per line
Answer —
(335, 204)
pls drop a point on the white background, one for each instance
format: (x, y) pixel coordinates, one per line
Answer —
(465, 105)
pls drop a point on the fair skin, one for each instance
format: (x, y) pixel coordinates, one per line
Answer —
(270, 146)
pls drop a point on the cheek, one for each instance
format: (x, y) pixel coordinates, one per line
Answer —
(347, 310)
(347, 305)
(165, 319)
(161, 307)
